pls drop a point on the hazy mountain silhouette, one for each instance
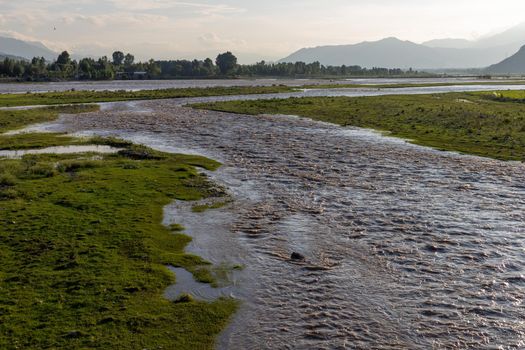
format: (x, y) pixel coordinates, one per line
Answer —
(434, 54)
(4, 56)
(449, 43)
(390, 52)
(513, 38)
(512, 65)
(27, 50)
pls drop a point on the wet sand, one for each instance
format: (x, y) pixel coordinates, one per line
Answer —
(406, 246)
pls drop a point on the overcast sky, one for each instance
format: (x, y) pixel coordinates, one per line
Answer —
(253, 29)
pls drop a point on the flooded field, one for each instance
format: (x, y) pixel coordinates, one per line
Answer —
(166, 84)
(404, 246)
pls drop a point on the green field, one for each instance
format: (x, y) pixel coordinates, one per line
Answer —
(476, 123)
(83, 253)
(70, 97)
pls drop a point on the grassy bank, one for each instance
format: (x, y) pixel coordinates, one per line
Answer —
(79, 97)
(505, 96)
(470, 123)
(83, 254)
(55, 98)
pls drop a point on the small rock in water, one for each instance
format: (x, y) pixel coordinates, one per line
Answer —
(298, 256)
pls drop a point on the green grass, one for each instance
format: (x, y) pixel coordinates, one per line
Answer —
(72, 97)
(17, 119)
(505, 96)
(83, 253)
(469, 123)
(38, 140)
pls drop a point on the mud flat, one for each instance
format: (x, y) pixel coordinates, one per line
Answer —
(405, 246)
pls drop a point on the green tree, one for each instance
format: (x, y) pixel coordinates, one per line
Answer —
(209, 66)
(64, 67)
(153, 68)
(118, 58)
(86, 69)
(64, 58)
(8, 67)
(18, 69)
(129, 59)
(226, 62)
(37, 68)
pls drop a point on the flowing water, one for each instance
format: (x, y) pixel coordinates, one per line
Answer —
(405, 246)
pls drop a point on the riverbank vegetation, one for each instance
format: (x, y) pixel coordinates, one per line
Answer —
(82, 97)
(72, 97)
(505, 96)
(475, 123)
(83, 253)
(124, 66)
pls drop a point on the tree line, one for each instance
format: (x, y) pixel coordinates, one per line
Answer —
(123, 66)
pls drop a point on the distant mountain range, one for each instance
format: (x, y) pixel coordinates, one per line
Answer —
(512, 65)
(434, 54)
(25, 49)
(5, 55)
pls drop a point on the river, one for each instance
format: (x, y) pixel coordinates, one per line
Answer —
(406, 246)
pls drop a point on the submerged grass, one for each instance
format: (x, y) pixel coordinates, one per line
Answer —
(83, 253)
(208, 206)
(72, 97)
(466, 122)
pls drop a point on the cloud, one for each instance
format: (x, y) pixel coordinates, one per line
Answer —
(196, 8)
(112, 20)
(212, 40)
(16, 35)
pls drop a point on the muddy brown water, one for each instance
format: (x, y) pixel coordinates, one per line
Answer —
(406, 247)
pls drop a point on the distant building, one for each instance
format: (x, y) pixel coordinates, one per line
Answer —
(131, 75)
(140, 75)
